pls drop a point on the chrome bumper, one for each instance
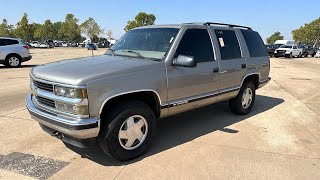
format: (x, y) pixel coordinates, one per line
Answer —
(80, 129)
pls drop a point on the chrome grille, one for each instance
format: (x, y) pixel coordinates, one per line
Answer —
(43, 86)
(46, 102)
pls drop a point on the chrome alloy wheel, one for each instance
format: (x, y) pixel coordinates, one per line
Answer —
(133, 132)
(247, 98)
(14, 61)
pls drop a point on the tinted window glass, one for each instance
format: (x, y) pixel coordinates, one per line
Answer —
(196, 43)
(254, 43)
(1, 42)
(228, 44)
(6, 42)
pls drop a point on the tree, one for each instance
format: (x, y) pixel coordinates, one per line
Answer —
(274, 37)
(142, 19)
(23, 29)
(5, 29)
(45, 31)
(309, 33)
(109, 34)
(69, 30)
(91, 28)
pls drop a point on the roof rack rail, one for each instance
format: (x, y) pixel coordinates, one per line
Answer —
(229, 25)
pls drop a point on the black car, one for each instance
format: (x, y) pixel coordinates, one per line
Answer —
(308, 50)
(272, 48)
(50, 43)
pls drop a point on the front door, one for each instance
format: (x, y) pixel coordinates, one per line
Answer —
(188, 87)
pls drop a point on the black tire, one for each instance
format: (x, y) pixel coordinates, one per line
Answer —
(8, 64)
(313, 55)
(235, 104)
(108, 136)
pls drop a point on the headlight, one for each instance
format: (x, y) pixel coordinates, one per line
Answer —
(73, 109)
(70, 92)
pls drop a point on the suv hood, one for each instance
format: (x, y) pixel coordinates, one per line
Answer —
(81, 70)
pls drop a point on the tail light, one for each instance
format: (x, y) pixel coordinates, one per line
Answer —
(27, 47)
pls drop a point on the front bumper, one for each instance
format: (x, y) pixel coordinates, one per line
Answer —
(79, 129)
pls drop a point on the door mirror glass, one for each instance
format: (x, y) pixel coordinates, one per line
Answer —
(185, 61)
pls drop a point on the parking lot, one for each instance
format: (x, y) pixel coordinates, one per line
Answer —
(279, 139)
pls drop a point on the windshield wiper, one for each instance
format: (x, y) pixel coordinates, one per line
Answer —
(134, 52)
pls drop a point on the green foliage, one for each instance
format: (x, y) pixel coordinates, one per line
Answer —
(91, 28)
(309, 33)
(23, 29)
(44, 31)
(274, 37)
(142, 19)
(69, 30)
(5, 29)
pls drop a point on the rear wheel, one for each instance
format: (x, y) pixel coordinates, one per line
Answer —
(130, 131)
(243, 102)
(13, 61)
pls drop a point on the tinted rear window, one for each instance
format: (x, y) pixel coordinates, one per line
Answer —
(254, 43)
(228, 44)
(6, 42)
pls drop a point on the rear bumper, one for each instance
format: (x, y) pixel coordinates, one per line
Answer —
(79, 129)
(264, 82)
(26, 58)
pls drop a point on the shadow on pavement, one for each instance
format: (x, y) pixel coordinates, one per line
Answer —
(185, 127)
(22, 66)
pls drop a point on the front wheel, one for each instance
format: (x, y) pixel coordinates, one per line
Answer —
(130, 131)
(243, 102)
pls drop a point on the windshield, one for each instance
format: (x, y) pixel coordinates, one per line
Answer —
(285, 46)
(150, 43)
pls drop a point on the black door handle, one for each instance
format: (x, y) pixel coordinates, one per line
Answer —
(215, 70)
(243, 66)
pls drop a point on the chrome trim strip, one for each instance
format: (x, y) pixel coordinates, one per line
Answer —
(56, 83)
(129, 92)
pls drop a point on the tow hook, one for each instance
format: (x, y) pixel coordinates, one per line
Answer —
(57, 135)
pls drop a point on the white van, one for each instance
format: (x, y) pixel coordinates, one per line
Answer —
(284, 42)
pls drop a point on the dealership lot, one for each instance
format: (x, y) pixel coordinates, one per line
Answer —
(279, 139)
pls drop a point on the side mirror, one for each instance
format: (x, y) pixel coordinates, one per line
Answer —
(184, 61)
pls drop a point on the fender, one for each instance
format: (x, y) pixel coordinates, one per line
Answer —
(129, 92)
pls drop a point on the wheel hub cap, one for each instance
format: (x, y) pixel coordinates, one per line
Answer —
(133, 132)
(13, 61)
(247, 98)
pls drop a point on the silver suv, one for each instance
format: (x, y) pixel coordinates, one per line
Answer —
(151, 72)
(13, 52)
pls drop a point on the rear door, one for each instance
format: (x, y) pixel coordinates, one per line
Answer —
(231, 59)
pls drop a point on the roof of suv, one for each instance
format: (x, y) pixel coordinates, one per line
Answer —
(10, 38)
(194, 24)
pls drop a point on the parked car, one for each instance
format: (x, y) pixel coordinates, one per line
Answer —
(35, 44)
(50, 43)
(44, 45)
(284, 42)
(288, 51)
(310, 51)
(270, 49)
(13, 52)
(317, 54)
(91, 46)
(151, 72)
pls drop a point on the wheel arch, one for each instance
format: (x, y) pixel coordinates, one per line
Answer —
(13, 54)
(254, 77)
(148, 96)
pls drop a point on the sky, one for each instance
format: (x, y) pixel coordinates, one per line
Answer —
(266, 17)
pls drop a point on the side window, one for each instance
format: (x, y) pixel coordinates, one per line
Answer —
(228, 44)
(196, 43)
(7, 42)
(1, 42)
(294, 47)
(254, 43)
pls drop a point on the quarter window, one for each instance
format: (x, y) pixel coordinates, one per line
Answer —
(228, 44)
(196, 43)
(254, 43)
